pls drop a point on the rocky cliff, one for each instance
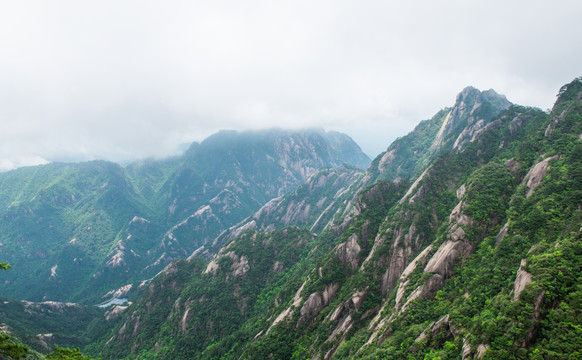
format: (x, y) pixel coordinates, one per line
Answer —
(465, 247)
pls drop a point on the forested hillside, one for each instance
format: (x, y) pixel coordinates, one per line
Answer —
(89, 232)
(462, 241)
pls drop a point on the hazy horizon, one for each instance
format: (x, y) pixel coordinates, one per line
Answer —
(138, 79)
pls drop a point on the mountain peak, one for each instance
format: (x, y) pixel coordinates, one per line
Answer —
(448, 130)
(472, 94)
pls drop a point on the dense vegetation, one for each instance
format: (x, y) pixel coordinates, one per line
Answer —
(463, 240)
(479, 257)
(76, 232)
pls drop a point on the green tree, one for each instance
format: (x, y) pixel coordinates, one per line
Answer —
(11, 350)
(8, 348)
(67, 354)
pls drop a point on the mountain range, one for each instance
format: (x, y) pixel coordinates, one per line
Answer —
(462, 240)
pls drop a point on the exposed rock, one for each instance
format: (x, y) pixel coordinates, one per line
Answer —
(466, 349)
(48, 306)
(552, 125)
(512, 165)
(54, 271)
(119, 293)
(406, 273)
(443, 324)
(447, 256)
(522, 279)
(297, 297)
(116, 256)
(536, 174)
(386, 159)
(238, 230)
(141, 221)
(184, 322)
(461, 191)
(329, 293)
(344, 325)
(396, 265)
(46, 340)
(240, 266)
(277, 266)
(401, 249)
(310, 309)
(211, 267)
(287, 313)
(196, 253)
(481, 350)
(413, 187)
(501, 233)
(469, 134)
(457, 216)
(357, 299)
(169, 269)
(348, 251)
(378, 241)
(114, 313)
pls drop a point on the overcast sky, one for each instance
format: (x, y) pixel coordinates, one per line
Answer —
(121, 80)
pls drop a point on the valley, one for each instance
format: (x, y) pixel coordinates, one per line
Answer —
(462, 240)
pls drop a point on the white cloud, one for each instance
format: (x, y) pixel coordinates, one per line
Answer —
(129, 79)
(17, 162)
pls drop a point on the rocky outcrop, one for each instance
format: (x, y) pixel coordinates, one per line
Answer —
(440, 136)
(48, 307)
(333, 188)
(329, 293)
(443, 325)
(311, 307)
(287, 313)
(481, 350)
(522, 279)
(472, 133)
(454, 250)
(348, 252)
(115, 312)
(468, 118)
(404, 281)
(116, 256)
(240, 264)
(342, 315)
(449, 254)
(502, 233)
(535, 175)
(119, 293)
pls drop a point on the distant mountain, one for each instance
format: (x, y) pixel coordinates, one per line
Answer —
(462, 241)
(84, 232)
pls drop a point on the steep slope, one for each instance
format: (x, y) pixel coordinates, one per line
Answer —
(57, 222)
(231, 175)
(204, 303)
(449, 130)
(434, 282)
(324, 197)
(479, 257)
(91, 231)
